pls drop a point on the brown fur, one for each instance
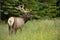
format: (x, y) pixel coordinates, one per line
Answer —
(18, 23)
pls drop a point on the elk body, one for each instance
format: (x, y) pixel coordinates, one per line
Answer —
(15, 23)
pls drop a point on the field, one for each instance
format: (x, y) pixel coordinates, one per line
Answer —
(34, 30)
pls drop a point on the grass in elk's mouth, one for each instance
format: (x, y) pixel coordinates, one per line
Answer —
(34, 30)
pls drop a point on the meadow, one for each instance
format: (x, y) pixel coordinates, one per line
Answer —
(34, 30)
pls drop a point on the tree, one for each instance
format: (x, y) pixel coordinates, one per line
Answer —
(40, 8)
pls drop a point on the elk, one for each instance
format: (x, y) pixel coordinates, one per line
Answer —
(15, 23)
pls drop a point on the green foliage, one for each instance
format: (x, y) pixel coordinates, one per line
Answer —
(58, 8)
(40, 8)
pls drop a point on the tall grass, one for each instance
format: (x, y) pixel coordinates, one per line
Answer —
(34, 30)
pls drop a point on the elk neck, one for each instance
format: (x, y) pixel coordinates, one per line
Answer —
(25, 19)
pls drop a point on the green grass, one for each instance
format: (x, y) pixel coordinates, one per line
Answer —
(34, 30)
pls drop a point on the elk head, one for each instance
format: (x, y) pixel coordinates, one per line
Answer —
(26, 12)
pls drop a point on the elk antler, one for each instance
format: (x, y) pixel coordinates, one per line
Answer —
(21, 8)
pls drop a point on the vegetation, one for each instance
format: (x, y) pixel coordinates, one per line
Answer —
(34, 30)
(46, 28)
(40, 8)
